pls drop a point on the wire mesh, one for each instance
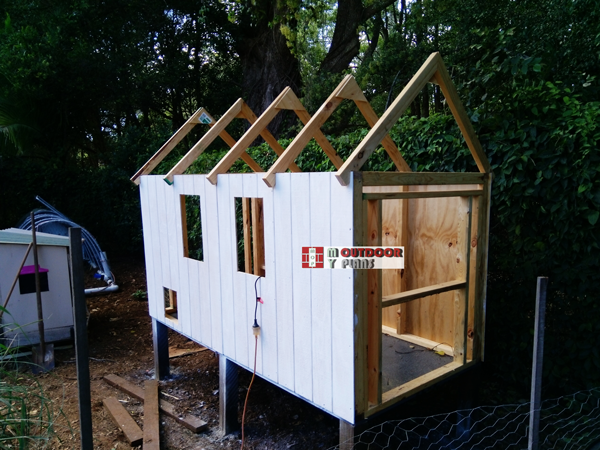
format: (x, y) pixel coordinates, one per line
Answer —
(566, 423)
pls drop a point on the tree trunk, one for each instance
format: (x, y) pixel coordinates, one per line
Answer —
(345, 44)
(268, 67)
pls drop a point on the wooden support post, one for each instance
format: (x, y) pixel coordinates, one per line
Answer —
(81, 342)
(160, 340)
(483, 226)
(360, 302)
(228, 396)
(373, 224)
(258, 236)
(346, 435)
(405, 273)
(538, 359)
(151, 416)
(246, 223)
(461, 296)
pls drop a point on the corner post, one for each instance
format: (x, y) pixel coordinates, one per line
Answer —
(346, 435)
(228, 396)
(160, 340)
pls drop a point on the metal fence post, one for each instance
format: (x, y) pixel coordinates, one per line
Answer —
(538, 358)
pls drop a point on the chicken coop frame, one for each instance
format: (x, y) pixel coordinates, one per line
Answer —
(322, 330)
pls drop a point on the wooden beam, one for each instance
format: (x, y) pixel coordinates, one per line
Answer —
(249, 136)
(388, 119)
(228, 396)
(483, 229)
(205, 141)
(151, 416)
(422, 194)
(168, 146)
(258, 236)
(417, 178)
(230, 141)
(306, 134)
(420, 341)
(413, 294)
(266, 135)
(388, 144)
(246, 224)
(346, 436)
(323, 142)
(184, 230)
(461, 296)
(124, 421)
(160, 343)
(418, 384)
(374, 363)
(460, 115)
(192, 423)
(360, 302)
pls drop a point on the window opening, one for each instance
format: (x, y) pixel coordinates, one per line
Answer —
(250, 235)
(170, 297)
(191, 221)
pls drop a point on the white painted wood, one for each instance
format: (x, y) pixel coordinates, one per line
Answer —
(241, 300)
(151, 248)
(306, 342)
(269, 336)
(320, 235)
(282, 215)
(227, 255)
(300, 210)
(176, 225)
(213, 261)
(250, 185)
(342, 307)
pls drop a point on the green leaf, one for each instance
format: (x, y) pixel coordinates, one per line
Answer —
(537, 67)
(593, 217)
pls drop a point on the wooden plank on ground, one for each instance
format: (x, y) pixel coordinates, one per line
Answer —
(192, 423)
(177, 352)
(151, 416)
(122, 419)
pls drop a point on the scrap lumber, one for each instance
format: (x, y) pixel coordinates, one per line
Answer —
(177, 352)
(151, 416)
(124, 421)
(192, 423)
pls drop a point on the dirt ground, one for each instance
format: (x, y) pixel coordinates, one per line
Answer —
(120, 342)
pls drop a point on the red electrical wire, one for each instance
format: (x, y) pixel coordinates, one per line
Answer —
(249, 387)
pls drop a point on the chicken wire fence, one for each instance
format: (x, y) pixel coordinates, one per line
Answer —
(568, 422)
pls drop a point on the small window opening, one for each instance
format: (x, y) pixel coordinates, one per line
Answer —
(250, 229)
(191, 222)
(170, 303)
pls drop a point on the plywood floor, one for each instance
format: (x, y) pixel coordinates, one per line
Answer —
(403, 361)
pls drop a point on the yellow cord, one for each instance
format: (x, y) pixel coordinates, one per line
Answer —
(249, 387)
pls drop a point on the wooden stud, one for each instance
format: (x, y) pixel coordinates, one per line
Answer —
(461, 296)
(205, 141)
(420, 341)
(124, 421)
(414, 294)
(192, 423)
(422, 194)
(460, 115)
(258, 236)
(388, 119)
(406, 273)
(323, 142)
(167, 146)
(374, 362)
(418, 178)
(483, 224)
(360, 303)
(246, 223)
(151, 416)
